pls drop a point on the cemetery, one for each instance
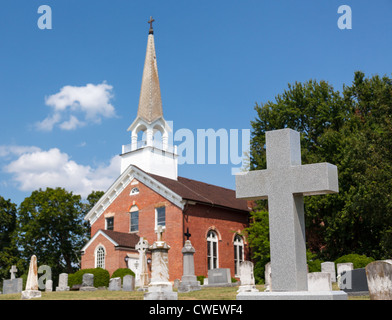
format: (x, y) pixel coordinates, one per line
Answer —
(309, 219)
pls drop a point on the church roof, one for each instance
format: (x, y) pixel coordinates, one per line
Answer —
(122, 239)
(203, 192)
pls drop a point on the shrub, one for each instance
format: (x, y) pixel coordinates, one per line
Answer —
(101, 277)
(201, 279)
(359, 261)
(121, 272)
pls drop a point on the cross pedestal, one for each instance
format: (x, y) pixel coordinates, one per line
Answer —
(284, 183)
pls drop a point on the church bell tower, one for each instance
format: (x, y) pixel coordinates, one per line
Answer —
(149, 149)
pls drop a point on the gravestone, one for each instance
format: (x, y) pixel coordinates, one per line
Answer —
(128, 283)
(329, 267)
(355, 282)
(88, 282)
(188, 280)
(219, 277)
(142, 279)
(247, 278)
(160, 288)
(13, 285)
(319, 281)
(284, 183)
(379, 279)
(63, 282)
(267, 276)
(115, 284)
(31, 290)
(49, 286)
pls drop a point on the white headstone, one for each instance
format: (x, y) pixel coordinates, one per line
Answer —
(247, 277)
(142, 278)
(13, 270)
(329, 267)
(379, 279)
(63, 282)
(319, 281)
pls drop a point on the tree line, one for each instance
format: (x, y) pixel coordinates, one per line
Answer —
(48, 224)
(353, 130)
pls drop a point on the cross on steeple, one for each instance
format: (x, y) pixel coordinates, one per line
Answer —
(151, 31)
(187, 234)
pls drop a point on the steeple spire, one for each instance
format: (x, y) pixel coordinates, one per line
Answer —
(150, 102)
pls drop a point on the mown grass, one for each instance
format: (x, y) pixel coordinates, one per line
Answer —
(210, 293)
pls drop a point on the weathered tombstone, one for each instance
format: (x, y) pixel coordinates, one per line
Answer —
(128, 283)
(329, 267)
(219, 277)
(63, 282)
(188, 280)
(357, 280)
(88, 282)
(319, 281)
(267, 277)
(13, 285)
(115, 284)
(160, 288)
(49, 286)
(284, 183)
(379, 279)
(32, 281)
(142, 279)
(247, 278)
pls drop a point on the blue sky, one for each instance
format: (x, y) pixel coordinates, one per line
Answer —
(216, 59)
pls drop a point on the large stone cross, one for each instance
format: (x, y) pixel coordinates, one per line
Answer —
(284, 183)
(159, 232)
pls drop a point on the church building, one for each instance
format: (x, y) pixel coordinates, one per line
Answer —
(149, 193)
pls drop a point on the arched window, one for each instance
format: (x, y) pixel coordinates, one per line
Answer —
(134, 191)
(100, 257)
(212, 250)
(238, 253)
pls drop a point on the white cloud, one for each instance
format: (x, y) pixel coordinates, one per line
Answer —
(13, 150)
(91, 102)
(37, 168)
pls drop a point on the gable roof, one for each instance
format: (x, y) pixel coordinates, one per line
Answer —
(119, 239)
(203, 192)
(175, 191)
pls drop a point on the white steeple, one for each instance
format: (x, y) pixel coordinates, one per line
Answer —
(146, 151)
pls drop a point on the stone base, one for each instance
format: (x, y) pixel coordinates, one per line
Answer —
(293, 295)
(160, 291)
(63, 288)
(188, 287)
(28, 294)
(247, 288)
(87, 288)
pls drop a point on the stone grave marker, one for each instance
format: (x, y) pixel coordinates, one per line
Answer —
(219, 277)
(115, 284)
(284, 183)
(379, 279)
(319, 281)
(355, 282)
(88, 282)
(128, 283)
(31, 290)
(329, 267)
(247, 278)
(13, 285)
(63, 282)
(188, 280)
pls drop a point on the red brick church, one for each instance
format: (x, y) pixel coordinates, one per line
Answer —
(149, 193)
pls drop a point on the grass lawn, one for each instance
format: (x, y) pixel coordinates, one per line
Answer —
(211, 293)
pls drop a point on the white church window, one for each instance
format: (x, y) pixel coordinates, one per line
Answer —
(100, 257)
(134, 191)
(238, 253)
(212, 250)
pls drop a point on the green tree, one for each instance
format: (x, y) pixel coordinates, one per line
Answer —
(51, 226)
(352, 130)
(9, 254)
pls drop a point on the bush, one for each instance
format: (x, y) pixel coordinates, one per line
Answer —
(201, 279)
(121, 272)
(101, 277)
(359, 261)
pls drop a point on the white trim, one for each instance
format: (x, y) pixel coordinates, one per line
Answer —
(100, 232)
(122, 182)
(100, 245)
